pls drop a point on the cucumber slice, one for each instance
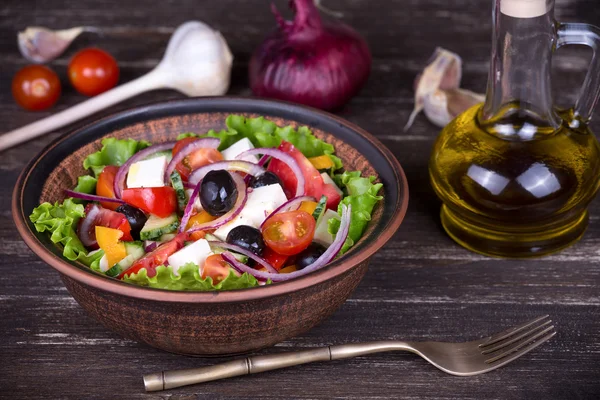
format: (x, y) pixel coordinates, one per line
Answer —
(135, 251)
(155, 227)
(322, 235)
(166, 237)
(320, 209)
(166, 153)
(211, 237)
(240, 257)
(179, 191)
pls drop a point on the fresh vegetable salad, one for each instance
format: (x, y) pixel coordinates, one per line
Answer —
(249, 205)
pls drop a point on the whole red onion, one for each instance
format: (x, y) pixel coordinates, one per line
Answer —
(310, 61)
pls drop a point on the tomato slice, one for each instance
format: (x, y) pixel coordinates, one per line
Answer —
(99, 216)
(196, 159)
(105, 185)
(157, 257)
(290, 232)
(313, 182)
(216, 267)
(275, 259)
(160, 201)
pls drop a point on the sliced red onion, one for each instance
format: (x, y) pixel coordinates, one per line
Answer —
(150, 245)
(119, 184)
(245, 252)
(289, 205)
(92, 197)
(86, 223)
(223, 219)
(188, 185)
(324, 259)
(283, 157)
(263, 160)
(189, 148)
(232, 165)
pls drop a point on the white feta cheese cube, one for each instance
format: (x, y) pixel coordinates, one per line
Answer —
(224, 230)
(147, 173)
(237, 148)
(327, 179)
(196, 253)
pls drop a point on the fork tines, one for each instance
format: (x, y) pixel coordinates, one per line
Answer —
(514, 342)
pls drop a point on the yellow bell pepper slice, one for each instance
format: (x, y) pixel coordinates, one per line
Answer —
(200, 218)
(321, 162)
(288, 269)
(308, 206)
(108, 240)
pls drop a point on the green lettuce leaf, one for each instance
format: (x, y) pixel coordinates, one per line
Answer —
(85, 184)
(189, 278)
(362, 195)
(227, 137)
(113, 152)
(60, 220)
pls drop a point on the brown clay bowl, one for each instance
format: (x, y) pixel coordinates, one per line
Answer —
(210, 323)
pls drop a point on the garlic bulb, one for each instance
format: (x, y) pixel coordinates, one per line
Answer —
(41, 45)
(438, 91)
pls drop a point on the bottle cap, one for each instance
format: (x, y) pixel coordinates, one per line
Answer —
(524, 8)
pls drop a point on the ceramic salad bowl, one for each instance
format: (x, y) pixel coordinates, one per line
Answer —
(210, 323)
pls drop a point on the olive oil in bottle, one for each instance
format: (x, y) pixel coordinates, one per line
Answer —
(515, 174)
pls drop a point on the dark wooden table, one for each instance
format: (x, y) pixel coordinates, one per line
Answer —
(421, 286)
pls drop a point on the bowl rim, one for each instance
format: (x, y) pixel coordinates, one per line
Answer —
(100, 282)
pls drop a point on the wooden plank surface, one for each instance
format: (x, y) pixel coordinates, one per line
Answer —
(421, 286)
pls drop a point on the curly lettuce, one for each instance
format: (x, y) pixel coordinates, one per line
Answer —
(188, 278)
(60, 221)
(362, 194)
(113, 152)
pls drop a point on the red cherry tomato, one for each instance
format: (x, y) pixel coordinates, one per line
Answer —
(36, 87)
(215, 267)
(276, 260)
(195, 160)
(105, 185)
(157, 257)
(313, 182)
(160, 201)
(93, 71)
(290, 232)
(106, 218)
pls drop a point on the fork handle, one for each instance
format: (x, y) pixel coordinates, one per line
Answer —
(255, 364)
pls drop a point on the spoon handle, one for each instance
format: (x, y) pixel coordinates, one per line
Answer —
(152, 80)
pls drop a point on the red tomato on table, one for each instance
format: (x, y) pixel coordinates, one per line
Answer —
(36, 87)
(290, 232)
(313, 182)
(160, 201)
(93, 71)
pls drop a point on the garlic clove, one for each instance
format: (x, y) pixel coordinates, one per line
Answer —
(40, 45)
(437, 90)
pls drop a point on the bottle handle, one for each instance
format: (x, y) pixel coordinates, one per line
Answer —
(588, 35)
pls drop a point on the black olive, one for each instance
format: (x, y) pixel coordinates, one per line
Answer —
(266, 179)
(248, 238)
(218, 192)
(309, 255)
(136, 217)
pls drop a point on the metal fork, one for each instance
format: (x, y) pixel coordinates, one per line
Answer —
(462, 359)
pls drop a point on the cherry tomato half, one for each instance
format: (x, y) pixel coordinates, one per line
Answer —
(93, 71)
(157, 257)
(160, 201)
(105, 185)
(313, 182)
(290, 232)
(216, 267)
(36, 87)
(195, 160)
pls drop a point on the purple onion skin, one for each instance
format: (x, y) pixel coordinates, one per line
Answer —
(310, 61)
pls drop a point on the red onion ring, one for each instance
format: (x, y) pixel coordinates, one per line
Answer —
(84, 228)
(245, 252)
(289, 205)
(324, 259)
(92, 197)
(189, 148)
(119, 184)
(148, 247)
(283, 157)
(223, 219)
(232, 165)
(263, 160)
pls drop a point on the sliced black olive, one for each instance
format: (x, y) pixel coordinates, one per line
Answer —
(266, 179)
(248, 238)
(309, 255)
(218, 192)
(136, 217)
